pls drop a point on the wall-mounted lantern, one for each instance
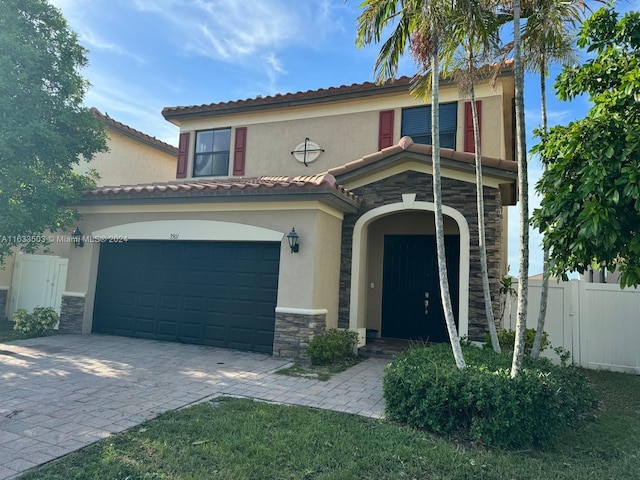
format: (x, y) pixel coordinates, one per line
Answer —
(293, 240)
(77, 237)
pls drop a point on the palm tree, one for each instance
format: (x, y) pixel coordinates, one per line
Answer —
(427, 19)
(548, 38)
(480, 29)
(523, 196)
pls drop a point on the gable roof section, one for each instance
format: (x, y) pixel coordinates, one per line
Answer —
(133, 133)
(309, 97)
(506, 171)
(450, 158)
(305, 187)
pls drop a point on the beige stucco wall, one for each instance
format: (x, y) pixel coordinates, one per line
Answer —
(404, 223)
(326, 279)
(346, 130)
(129, 162)
(307, 280)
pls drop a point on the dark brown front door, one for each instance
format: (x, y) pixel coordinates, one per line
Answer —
(411, 305)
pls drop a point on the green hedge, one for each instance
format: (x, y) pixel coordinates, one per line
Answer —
(332, 346)
(423, 388)
(38, 322)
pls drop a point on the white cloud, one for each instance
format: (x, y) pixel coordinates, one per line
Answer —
(79, 14)
(253, 35)
(93, 42)
(228, 31)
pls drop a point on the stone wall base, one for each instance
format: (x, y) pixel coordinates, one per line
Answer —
(71, 314)
(294, 331)
(4, 298)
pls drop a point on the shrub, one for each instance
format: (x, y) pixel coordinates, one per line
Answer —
(36, 322)
(332, 346)
(507, 338)
(425, 389)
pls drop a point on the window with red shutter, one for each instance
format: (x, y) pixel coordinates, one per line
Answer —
(239, 151)
(385, 129)
(183, 155)
(469, 141)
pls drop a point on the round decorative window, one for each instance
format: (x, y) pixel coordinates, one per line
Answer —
(307, 152)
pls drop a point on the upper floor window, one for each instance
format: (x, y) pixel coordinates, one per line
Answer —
(416, 123)
(211, 156)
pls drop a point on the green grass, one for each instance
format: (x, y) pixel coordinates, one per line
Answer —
(319, 372)
(242, 439)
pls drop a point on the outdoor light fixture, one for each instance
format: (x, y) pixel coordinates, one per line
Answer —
(293, 240)
(76, 235)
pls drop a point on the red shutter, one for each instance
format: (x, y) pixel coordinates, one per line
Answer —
(385, 130)
(240, 151)
(183, 155)
(469, 141)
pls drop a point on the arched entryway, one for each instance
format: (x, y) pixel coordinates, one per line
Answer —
(394, 271)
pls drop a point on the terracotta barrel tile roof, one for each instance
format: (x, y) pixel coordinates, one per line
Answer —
(133, 133)
(407, 144)
(355, 90)
(309, 96)
(210, 187)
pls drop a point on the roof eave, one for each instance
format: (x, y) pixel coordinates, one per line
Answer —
(329, 196)
(175, 114)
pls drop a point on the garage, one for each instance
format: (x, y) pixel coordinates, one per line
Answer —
(221, 294)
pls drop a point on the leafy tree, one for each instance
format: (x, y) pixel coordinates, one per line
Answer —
(44, 128)
(426, 20)
(590, 210)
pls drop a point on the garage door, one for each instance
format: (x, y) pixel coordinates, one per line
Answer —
(211, 293)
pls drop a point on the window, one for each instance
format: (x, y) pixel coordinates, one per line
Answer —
(212, 153)
(416, 123)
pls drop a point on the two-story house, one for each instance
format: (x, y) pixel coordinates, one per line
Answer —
(206, 258)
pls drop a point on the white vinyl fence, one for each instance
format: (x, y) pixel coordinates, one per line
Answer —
(598, 323)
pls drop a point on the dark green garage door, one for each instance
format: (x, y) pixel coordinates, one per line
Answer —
(212, 293)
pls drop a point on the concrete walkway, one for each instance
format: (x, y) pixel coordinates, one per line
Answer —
(61, 393)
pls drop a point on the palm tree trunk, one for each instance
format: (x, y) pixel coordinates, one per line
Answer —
(544, 294)
(523, 185)
(488, 307)
(445, 295)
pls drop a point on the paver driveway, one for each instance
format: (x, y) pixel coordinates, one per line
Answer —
(60, 393)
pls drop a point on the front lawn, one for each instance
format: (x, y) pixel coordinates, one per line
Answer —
(241, 439)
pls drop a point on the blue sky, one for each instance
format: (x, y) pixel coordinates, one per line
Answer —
(149, 54)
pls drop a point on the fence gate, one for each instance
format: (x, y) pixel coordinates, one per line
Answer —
(598, 323)
(38, 281)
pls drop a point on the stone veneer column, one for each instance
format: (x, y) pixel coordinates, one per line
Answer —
(72, 313)
(4, 299)
(455, 194)
(294, 329)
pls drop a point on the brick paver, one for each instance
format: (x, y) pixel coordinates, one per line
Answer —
(60, 393)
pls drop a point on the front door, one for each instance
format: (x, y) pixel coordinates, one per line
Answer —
(411, 306)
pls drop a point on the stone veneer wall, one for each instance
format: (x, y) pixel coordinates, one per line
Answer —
(456, 194)
(293, 331)
(71, 314)
(4, 298)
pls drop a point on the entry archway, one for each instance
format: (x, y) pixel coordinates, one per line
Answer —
(359, 284)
